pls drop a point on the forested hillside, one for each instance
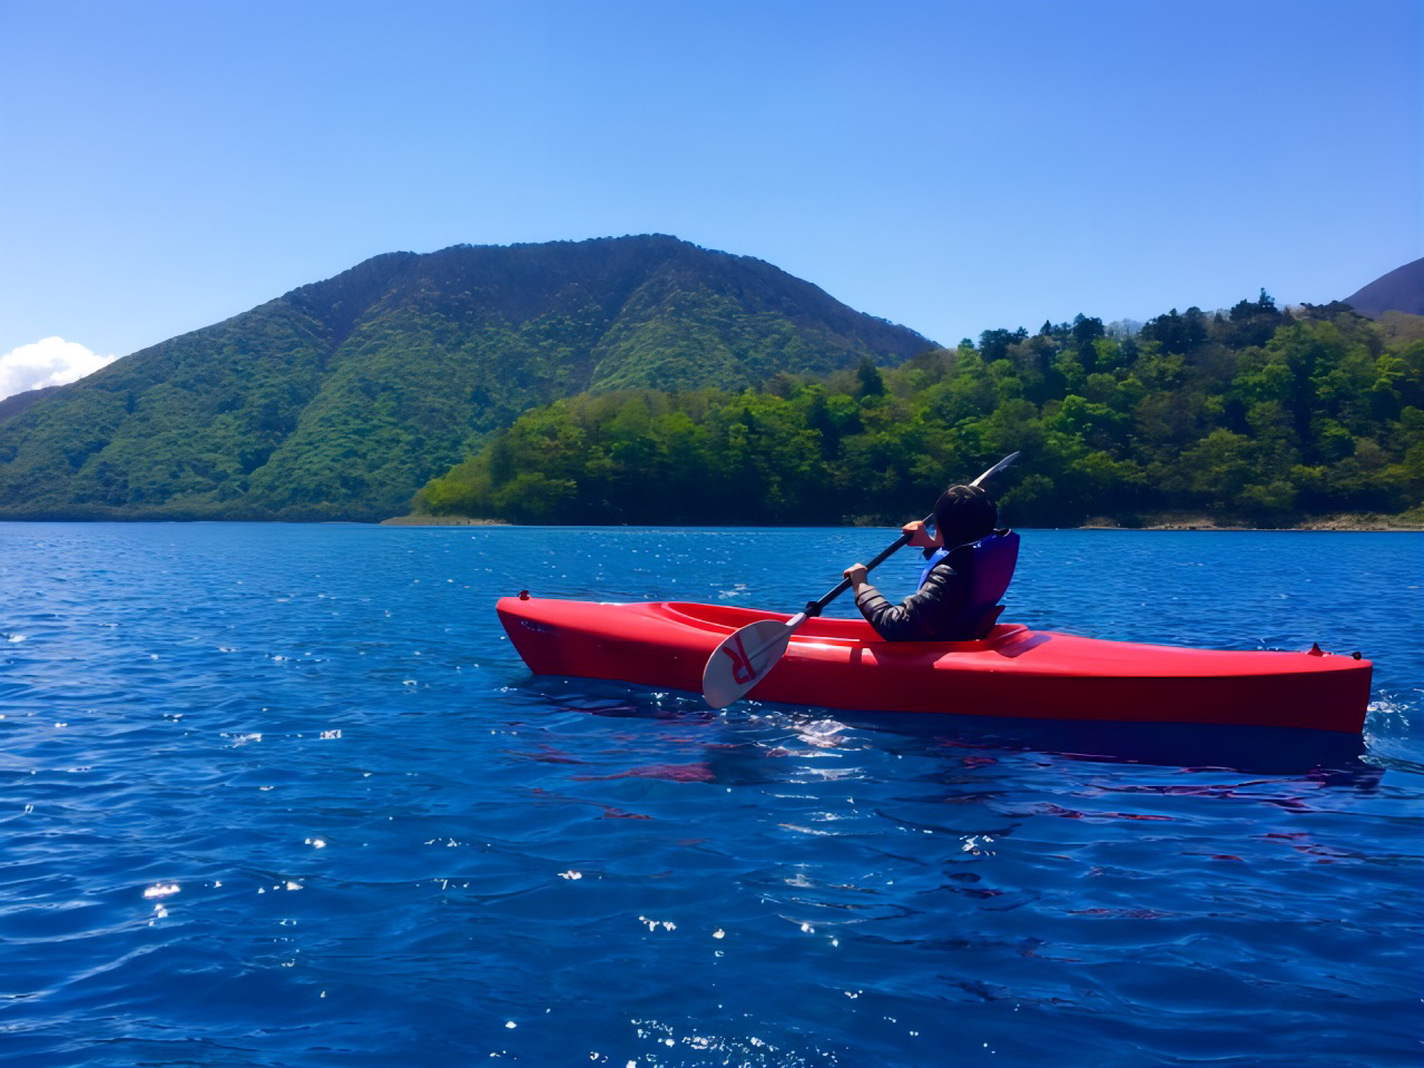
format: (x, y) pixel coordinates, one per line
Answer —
(1251, 416)
(340, 399)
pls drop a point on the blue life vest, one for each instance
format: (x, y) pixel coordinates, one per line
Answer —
(989, 566)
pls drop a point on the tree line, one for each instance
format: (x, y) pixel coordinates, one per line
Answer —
(1250, 415)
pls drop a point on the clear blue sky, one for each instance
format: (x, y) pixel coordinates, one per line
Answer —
(953, 166)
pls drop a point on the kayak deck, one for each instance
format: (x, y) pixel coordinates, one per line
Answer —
(1015, 671)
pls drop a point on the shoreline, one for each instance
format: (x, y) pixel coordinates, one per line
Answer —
(442, 521)
(1359, 524)
(1344, 523)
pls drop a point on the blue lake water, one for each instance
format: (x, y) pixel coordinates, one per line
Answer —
(285, 796)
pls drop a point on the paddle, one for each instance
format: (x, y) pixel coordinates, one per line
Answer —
(747, 654)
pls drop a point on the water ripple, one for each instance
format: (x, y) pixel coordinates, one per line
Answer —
(285, 796)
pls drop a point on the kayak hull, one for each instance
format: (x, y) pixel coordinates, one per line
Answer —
(1014, 672)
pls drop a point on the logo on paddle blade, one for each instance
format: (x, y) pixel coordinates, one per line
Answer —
(742, 670)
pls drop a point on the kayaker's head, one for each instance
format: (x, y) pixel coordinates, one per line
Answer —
(964, 514)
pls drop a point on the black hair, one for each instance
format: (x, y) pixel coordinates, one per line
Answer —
(964, 514)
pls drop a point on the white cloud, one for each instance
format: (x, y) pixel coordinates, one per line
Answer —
(51, 361)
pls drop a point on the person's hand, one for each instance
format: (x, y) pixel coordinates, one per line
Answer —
(857, 574)
(920, 536)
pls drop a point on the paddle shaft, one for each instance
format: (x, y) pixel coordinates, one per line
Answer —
(734, 667)
(816, 607)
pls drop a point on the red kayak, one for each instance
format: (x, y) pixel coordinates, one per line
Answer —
(1015, 671)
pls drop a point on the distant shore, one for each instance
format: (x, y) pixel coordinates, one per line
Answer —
(1361, 523)
(441, 521)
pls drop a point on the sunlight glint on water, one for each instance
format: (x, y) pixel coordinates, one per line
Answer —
(286, 796)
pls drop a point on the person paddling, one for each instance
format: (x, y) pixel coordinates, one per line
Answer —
(969, 566)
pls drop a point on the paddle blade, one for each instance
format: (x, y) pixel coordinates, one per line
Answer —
(1005, 462)
(742, 659)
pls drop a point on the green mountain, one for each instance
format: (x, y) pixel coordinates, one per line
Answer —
(340, 399)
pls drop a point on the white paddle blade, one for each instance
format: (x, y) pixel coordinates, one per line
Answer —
(742, 659)
(1005, 462)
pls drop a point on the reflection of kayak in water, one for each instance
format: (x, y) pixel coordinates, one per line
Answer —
(1015, 671)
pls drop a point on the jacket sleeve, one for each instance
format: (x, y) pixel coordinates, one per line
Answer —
(916, 618)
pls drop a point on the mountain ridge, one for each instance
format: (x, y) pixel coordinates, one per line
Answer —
(1399, 290)
(339, 399)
